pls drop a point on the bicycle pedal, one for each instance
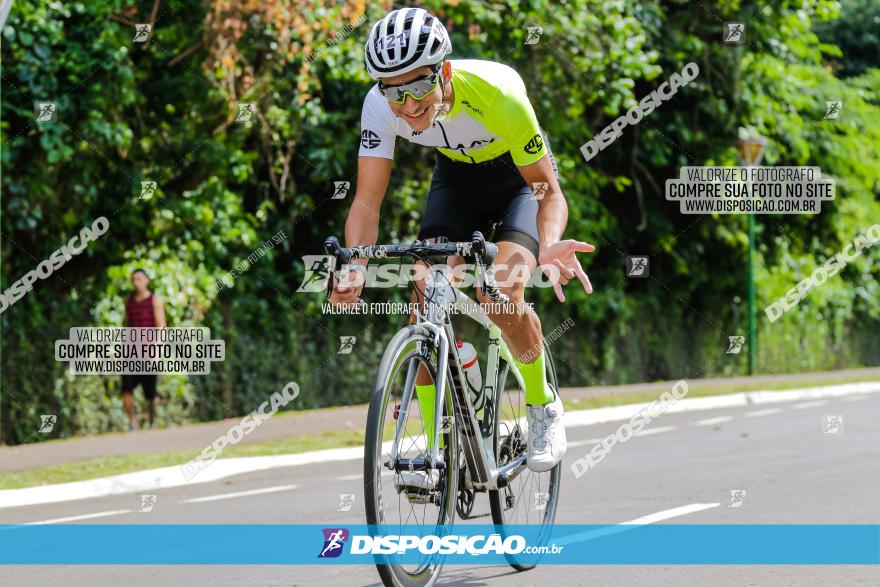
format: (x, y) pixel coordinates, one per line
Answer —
(416, 494)
(421, 498)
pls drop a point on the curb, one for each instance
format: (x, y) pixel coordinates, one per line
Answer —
(733, 400)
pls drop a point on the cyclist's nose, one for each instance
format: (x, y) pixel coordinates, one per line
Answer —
(410, 104)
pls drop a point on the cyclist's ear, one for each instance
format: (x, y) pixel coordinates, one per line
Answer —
(447, 70)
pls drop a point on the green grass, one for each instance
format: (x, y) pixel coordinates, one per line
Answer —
(115, 465)
(92, 469)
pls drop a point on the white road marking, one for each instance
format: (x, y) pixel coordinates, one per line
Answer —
(673, 513)
(82, 517)
(807, 405)
(633, 524)
(855, 398)
(360, 476)
(240, 494)
(759, 413)
(656, 430)
(713, 421)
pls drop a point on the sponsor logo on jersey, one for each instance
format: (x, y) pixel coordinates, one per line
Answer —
(534, 145)
(472, 107)
(369, 139)
(474, 144)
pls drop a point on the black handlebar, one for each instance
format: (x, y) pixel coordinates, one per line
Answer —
(478, 248)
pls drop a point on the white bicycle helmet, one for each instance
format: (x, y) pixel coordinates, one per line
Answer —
(404, 40)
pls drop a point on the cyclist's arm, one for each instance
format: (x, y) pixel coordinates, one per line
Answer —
(362, 225)
(552, 208)
(374, 171)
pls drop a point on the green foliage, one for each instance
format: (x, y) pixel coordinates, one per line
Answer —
(854, 36)
(164, 112)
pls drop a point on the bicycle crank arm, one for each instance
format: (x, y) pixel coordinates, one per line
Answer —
(475, 516)
(511, 471)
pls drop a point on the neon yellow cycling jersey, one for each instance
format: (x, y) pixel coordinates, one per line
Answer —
(490, 116)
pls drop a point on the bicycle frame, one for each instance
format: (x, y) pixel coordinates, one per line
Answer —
(478, 449)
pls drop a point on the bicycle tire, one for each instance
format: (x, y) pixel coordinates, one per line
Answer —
(400, 351)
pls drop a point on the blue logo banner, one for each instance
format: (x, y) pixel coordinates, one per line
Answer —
(662, 544)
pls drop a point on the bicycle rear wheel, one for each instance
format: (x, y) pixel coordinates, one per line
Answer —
(405, 512)
(530, 498)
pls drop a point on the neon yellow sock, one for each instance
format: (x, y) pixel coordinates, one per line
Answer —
(535, 378)
(426, 395)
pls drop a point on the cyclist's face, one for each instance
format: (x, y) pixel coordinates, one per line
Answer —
(418, 114)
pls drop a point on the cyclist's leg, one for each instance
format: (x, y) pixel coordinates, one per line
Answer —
(519, 324)
(516, 233)
(521, 329)
(445, 215)
(425, 390)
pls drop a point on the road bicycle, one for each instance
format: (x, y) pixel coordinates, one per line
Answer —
(479, 442)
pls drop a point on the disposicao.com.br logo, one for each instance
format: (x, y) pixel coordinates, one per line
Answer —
(478, 544)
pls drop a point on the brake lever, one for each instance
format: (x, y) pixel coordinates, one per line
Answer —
(334, 249)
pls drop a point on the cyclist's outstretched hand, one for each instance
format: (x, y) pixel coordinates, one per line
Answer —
(560, 264)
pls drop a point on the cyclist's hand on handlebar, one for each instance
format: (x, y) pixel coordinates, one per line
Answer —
(561, 265)
(347, 289)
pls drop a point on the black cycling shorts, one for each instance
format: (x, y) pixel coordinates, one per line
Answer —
(465, 197)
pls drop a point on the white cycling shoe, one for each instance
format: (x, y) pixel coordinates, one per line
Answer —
(546, 434)
(418, 485)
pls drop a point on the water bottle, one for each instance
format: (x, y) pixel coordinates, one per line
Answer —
(471, 364)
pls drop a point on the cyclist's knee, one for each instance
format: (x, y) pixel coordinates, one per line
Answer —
(515, 292)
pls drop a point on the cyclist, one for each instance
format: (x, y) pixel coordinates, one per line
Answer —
(490, 150)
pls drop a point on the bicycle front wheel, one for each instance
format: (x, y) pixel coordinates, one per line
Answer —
(392, 501)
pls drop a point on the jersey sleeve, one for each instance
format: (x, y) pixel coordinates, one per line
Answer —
(377, 127)
(513, 118)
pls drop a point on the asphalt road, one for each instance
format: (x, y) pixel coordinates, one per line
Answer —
(791, 472)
